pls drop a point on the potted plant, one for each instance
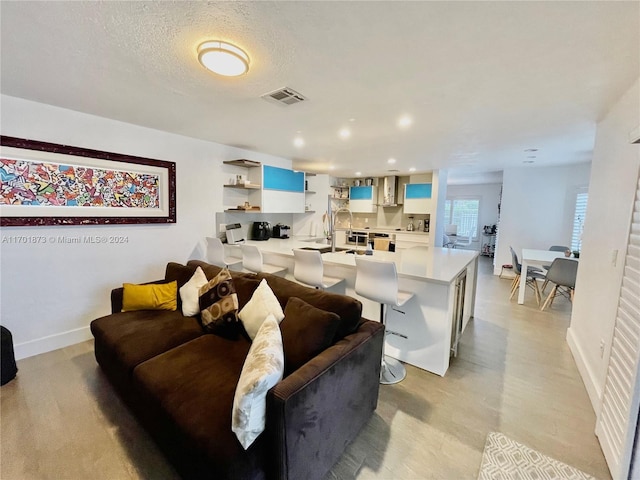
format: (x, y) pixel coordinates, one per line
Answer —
(576, 254)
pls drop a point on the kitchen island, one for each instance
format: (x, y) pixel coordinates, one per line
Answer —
(426, 329)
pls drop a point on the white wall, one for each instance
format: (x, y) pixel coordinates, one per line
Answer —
(614, 174)
(50, 293)
(489, 195)
(537, 208)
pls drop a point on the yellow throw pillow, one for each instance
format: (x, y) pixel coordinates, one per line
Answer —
(150, 297)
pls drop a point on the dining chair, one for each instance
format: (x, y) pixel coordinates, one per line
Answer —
(533, 274)
(252, 262)
(308, 268)
(562, 273)
(216, 255)
(552, 248)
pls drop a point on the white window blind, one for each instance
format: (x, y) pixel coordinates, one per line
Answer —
(463, 212)
(578, 220)
(617, 422)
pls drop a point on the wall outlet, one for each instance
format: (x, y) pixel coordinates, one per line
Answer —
(601, 348)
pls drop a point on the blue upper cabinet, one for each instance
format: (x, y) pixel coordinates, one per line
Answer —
(275, 178)
(417, 198)
(363, 199)
(282, 190)
(417, 190)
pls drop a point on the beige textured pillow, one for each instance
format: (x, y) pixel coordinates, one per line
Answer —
(189, 293)
(262, 369)
(262, 303)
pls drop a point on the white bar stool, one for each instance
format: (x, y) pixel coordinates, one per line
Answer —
(252, 262)
(378, 281)
(215, 255)
(309, 269)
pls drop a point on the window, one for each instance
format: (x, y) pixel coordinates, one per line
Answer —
(463, 212)
(578, 220)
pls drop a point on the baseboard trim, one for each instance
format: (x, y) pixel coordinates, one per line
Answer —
(594, 390)
(51, 342)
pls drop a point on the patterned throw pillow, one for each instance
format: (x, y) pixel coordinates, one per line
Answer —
(262, 369)
(219, 305)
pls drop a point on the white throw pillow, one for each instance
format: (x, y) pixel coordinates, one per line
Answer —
(262, 303)
(262, 369)
(189, 293)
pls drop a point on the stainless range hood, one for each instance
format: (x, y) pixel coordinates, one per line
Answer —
(390, 191)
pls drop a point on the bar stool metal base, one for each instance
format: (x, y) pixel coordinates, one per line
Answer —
(392, 371)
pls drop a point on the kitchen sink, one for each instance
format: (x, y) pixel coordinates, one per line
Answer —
(325, 249)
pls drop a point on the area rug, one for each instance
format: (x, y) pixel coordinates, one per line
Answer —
(506, 459)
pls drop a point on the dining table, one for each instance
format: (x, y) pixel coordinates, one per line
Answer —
(538, 258)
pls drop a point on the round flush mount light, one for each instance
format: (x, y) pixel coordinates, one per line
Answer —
(298, 142)
(223, 58)
(391, 161)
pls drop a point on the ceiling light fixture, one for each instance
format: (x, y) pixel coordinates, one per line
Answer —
(223, 58)
(391, 161)
(344, 133)
(412, 169)
(358, 174)
(405, 121)
(298, 142)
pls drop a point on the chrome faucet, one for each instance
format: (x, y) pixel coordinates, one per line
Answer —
(333, 225)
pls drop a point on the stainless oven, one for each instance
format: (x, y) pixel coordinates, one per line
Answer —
(357, 237)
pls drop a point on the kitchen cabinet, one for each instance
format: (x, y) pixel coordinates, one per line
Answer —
(417, 198)
(282, 190)
(363, 199)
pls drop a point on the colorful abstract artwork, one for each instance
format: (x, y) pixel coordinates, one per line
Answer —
(44, 183)
(25, 182)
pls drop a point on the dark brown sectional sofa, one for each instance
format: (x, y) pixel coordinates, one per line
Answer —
(180, 384)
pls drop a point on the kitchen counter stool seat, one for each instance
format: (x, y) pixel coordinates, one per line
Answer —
(252, 262)
(378, 281)
(309, 269)
(216, 255)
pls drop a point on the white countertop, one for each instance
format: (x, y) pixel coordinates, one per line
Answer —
(441, 265)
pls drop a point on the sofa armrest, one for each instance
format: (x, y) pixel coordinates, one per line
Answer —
(116, 296)
(314, 413)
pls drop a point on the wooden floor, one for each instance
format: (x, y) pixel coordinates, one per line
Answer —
(514, 374)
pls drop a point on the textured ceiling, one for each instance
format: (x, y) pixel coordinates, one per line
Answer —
(483, 80)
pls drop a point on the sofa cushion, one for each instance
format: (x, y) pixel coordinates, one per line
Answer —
(263, 302)
(214, 365)
(190, 293)
(149, 297)
(219, 305)
(263, 369)
(133, 337)
(306, 331)
(245, 283)
(348, 309)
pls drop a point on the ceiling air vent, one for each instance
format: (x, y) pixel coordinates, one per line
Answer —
(284, 96)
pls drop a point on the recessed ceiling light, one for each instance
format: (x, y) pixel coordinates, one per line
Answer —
(391, 161)
(344, 133)
(298, 142)
(358, 174)
(528, 161)
(531, 150)
(352, 119)
(332, 167)
(412, 169)
(223, 58)
(405, 121)
(531, 156)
